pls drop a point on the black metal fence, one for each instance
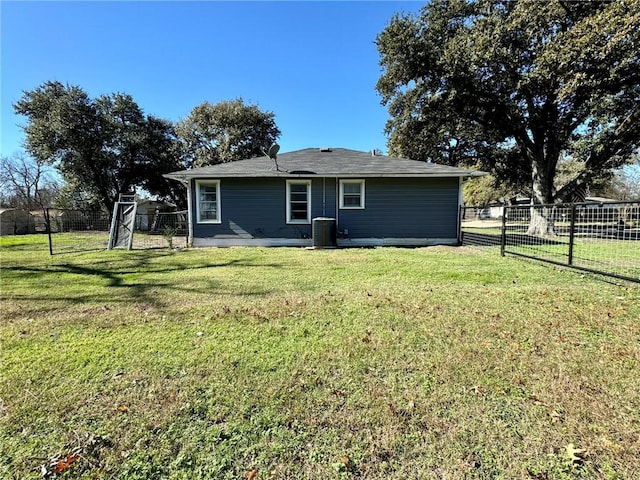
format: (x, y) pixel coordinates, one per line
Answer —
(83, 230)
(602, 238)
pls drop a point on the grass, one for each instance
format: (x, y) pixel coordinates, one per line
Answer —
(69, 242)
(620, 257)
(288, 363)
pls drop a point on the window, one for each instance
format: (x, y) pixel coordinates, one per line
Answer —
(298, 201)
(208, 201)
(351, 193)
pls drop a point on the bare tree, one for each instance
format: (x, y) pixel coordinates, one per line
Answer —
(624, 184)
(26, 183)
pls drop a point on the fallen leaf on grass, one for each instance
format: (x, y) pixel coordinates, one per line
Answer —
(478, 390)
(123, 408)
(58, 465)
(65, 463)
(344, 465)
(573, 454)
(252, 474)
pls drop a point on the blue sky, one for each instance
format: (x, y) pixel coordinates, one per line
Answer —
(313, 64)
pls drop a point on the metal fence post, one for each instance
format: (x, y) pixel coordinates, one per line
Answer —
(602, 250)
(572, 229)
(47, 223)
(503, 236)
(460, 217)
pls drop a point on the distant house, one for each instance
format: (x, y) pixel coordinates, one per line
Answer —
(63, 220)
(146, 212)
(14, 221)
(373, 200)
(40, 222)
(603, 209)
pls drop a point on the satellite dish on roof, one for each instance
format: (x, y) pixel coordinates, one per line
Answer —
(272, 153)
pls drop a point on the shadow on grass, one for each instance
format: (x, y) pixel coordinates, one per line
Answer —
(471, 239)
(20, 246)
(523, 239)
(146, 291)
(474, 239)
(72, 250)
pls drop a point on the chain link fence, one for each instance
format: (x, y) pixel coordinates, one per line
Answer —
(84, 230)
(602, 238)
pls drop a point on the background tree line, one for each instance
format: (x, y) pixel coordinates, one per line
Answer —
(545, 96)
(102, 147)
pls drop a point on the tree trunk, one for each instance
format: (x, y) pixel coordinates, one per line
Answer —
(541, 223)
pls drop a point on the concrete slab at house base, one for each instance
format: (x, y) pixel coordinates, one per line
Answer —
(250, 242)
(396, 242)
(308, 243)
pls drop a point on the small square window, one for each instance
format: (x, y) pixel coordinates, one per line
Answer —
(352, 194)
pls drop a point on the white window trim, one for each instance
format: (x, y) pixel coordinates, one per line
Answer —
(208, 183)
(352, 207)
(299, 182)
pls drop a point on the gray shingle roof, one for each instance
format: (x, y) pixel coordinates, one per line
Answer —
(334, 162)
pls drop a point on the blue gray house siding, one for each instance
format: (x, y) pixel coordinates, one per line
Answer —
(256, 208)
(405, 208)
(397, 208)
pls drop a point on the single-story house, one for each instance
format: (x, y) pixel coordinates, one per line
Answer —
(373, 199)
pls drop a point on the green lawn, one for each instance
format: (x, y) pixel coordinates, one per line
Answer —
(291, 364)
(619, 257)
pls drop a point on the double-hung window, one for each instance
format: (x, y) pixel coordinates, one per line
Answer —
(352, 194)
(298, 201)
(208, 201)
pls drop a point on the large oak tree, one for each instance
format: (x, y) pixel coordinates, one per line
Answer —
(516, 87)
(105, 145)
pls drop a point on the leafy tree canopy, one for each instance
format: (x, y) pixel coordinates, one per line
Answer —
(224, 132)
(483, 190)
(515, 88)
(106, 145)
